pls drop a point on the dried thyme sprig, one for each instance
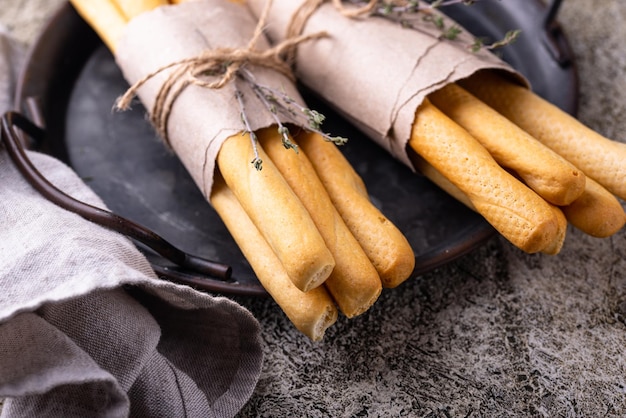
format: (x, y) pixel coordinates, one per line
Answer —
(509, 37)
(412, 6)
(256, 161)
(275, 102)
(397, 10)
(300, 115)
(309, 119)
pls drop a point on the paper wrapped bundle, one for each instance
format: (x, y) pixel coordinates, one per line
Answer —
(400, 83)
(373, 70)
(212, 83)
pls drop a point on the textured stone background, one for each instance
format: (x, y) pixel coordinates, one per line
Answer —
(496, 333)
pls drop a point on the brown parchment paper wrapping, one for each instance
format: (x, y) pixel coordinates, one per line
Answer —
(374, 71)
(201, 119)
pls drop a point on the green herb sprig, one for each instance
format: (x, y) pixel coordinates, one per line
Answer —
(399, 10)
(277, 103)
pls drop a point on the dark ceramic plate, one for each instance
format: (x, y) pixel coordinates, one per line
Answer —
(75, 82)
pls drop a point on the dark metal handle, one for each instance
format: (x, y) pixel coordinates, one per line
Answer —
(186, 264)
(553, 10)
(554, 39)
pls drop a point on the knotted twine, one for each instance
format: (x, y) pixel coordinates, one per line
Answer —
(223, 63)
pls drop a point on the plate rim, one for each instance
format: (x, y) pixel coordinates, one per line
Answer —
(434, 257)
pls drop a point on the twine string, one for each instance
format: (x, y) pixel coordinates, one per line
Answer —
(355, 12)
(221, 64)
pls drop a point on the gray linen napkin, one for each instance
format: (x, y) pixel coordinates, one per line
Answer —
(87, 330)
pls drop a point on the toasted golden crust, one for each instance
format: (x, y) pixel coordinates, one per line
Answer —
(556, 245)
(354, 282)
(439, 180)
(517, 212)
(311, 312)
(277, 212)
(543, 170)
(598, 157)
(385, 245)
(106, 19)
(446, 185)
(597, 212)
(133, 8)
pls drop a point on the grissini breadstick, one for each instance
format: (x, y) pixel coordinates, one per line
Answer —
(597, 212)
(438, 179)
(546, 172)
(446, 185)
(383, 242)
(556, 245)
(278, 213)
(598, 157)
(354, 283)
(270, 203)
(517, 212)
(106, 19)
(311, 312)
(133, 8)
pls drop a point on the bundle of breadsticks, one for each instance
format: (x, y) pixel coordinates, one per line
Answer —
(461, 117)
(294, 205)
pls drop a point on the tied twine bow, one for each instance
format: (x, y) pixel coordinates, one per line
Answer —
(223, 63)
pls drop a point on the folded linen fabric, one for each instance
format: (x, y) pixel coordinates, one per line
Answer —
(87, 329)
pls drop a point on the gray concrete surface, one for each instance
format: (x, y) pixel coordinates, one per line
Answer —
(496, 333)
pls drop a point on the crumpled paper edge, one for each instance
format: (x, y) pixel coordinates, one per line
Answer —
(201, 119)
(375, 72)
